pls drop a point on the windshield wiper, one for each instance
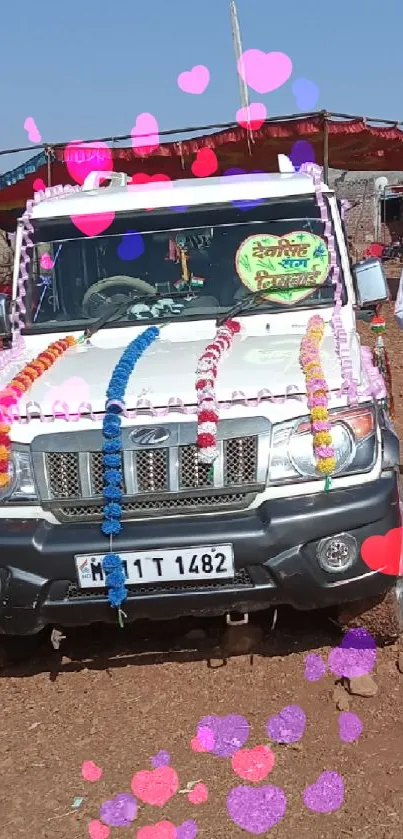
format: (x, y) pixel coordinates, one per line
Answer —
(115, 310)
(241, 306)
(249, 300)
(121, 308)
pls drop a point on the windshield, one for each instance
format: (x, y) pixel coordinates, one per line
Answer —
(200, 261)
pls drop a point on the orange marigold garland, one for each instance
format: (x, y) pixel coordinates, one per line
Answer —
(16, 388)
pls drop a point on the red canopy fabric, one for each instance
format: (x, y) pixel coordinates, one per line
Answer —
(353, 144)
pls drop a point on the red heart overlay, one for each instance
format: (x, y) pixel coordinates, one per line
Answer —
(161, 830)
(206, 163)
(253, 764)
(383, 553)
(155, 787)
(142, 178)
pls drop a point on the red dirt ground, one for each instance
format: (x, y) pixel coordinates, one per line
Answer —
(112, 700)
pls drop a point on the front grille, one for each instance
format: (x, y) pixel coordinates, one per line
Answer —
(150, 467)
(160, 480)
(241, 578)
(179, 504)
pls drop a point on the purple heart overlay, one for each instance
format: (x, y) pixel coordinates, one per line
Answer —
(162, 758)
(229, 733)
(187, 830)
(315, 667)
(120, 811)
(356, 656)
(326, 795)
(244, 205)
(350, 727)
(256, 810)
(288, 726)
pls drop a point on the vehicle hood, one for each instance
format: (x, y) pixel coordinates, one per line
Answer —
(167, 372)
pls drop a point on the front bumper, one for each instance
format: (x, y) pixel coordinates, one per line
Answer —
(274, 552)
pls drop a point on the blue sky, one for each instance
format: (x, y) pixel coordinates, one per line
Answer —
(87, 69)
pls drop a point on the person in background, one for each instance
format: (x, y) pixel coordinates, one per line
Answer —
(399, 303)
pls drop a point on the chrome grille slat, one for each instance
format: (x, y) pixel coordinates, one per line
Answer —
(173, 466)
(129, 471)
(85, 474)
(159, 480)
(219, 466)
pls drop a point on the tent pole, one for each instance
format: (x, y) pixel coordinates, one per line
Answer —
(325, 146)
(48, 152)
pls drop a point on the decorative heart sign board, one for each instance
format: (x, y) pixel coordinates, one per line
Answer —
(286, 269)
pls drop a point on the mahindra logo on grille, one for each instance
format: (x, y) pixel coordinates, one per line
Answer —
(149, 436)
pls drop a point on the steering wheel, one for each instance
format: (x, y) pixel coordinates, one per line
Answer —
(101, 294)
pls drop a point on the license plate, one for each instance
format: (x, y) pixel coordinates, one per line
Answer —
(142, 567)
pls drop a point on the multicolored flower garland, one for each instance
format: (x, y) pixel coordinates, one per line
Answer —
(112, 463)
(19, 385)
(206, 374)
(318, 396)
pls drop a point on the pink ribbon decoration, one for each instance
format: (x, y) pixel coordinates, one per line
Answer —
(349, 385)
(376, 385)
(345, 207)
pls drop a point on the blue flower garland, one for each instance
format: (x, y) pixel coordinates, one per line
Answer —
(112, 463)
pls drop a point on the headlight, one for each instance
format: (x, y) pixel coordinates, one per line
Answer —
(22, 486)
(354, 439)
(302, 455)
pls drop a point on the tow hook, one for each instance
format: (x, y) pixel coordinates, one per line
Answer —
(56, 638)
(236, 621)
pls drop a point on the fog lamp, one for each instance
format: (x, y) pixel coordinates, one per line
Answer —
(337, 553)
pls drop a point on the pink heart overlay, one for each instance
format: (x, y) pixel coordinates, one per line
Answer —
(82, 158)
(145, 124)
(160, 830)
(93, 225)
(195, 80)
(263, 71)
(256, 113)
(90, 771)
(204, 740)
(73, 391)
(199, 794)
(253, 764)
(97, 830)
(155, 786)
(46, 262)
(30, 126)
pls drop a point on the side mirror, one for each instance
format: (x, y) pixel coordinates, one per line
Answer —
(371, 284)
(5, 322)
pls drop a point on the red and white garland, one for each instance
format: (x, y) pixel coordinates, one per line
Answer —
(206, 374)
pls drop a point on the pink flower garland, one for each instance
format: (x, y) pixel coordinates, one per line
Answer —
(206, 374)
(349, 385)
